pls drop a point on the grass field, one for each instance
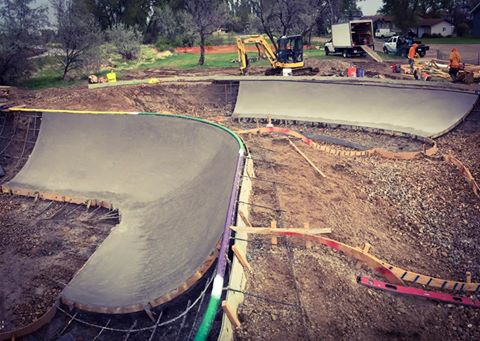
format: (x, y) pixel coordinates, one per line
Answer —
(49, 73)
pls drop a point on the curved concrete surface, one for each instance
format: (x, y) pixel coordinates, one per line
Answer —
(424, 112)
(171, 179)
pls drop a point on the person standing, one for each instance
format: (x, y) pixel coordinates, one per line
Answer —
(411, 56)
(455, 64)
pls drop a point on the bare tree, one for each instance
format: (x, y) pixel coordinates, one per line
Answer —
(77, 33)
(20, 35)
(286, 17)
(207, 17)
(126, 40)
(267, 12)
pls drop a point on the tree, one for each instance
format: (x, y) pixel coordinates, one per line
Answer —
(77, 33)
(287, 17)
(404, 12)
(111, 13)
(126, 41)
(207, 17)
(172, 25)
(20, 27)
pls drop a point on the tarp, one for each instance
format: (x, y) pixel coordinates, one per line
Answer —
(171, 179)
(420, 111)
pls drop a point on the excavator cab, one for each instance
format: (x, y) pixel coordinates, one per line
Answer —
(290, 49)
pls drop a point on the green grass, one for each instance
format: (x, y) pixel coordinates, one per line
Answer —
(452, 40)
(49, 73)
(315, 54)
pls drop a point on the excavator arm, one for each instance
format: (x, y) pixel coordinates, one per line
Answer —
(264, 49)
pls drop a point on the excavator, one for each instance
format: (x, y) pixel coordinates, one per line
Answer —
(289, 54)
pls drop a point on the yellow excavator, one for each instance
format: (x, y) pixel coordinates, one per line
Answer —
(289, 54)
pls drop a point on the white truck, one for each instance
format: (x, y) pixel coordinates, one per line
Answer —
(383, 33)
(348, 38)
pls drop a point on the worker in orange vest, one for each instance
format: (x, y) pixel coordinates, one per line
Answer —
(411, 56)
(455, 64)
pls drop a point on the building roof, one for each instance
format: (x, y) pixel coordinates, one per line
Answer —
(379, 17)
(431, 22)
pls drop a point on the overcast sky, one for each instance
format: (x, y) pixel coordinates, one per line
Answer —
(370, 7)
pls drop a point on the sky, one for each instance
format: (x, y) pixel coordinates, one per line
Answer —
(370, 7)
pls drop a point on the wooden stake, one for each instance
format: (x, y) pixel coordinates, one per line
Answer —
(308, 243)
(245, 219)
(307, 159)
(273, 225)
(469, 277)
(232, 316)
(365, 250)
(241, 258)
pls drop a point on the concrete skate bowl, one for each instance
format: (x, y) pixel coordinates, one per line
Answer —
(416, 110)
(172, 178)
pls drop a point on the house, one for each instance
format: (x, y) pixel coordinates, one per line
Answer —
(383, 22)
(434, 27)
(475, 12)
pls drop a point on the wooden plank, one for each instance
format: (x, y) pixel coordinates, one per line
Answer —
(307, 159)
(372, 54)
(232, 315)
(241, 258)
(280, 231)
(273, 225)
(308, 243)
(244, 218)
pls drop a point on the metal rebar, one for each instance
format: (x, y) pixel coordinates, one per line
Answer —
(194, 326)
(72, 318)
(270, 162)
(264, 298)
(170, 321)
(183, 322)
(264, 180)
(101, 330)
(261, 206)
(9, 142)
(156, 325)
(130, 330)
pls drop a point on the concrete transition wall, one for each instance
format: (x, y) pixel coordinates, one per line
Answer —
(171, 179)
(424, 112)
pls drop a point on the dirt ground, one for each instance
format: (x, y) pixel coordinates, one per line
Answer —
(420, 215)
(42, 243)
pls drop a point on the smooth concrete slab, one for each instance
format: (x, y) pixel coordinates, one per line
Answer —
(425, 112)
(171, 179)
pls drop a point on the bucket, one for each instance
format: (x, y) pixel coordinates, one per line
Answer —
(287, 72)
(352, 71)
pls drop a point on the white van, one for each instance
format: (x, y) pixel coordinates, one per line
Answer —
(384, 33)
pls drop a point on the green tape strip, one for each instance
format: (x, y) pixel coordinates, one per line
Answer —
(208, 319)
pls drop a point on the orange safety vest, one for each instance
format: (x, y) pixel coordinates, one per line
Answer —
(455, 60)
(412, 51)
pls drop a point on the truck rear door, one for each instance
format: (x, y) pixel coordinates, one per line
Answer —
(341, 36)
